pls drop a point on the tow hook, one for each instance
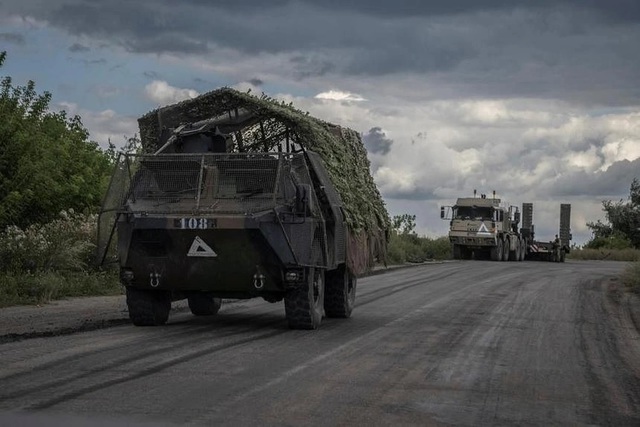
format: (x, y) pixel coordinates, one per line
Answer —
(258, 279)
(154, 279)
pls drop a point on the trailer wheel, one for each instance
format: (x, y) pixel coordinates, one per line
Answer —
(505, 249)
(147, 307)
(203, 304)
(304, 304)
(496, 251)
(523, 249)
(514, 255)
(339, 292)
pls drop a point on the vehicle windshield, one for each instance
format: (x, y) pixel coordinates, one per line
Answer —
(472, 212)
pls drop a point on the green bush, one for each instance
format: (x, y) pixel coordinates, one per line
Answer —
(409, 247)
(631, 277)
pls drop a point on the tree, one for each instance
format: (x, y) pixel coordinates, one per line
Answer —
(404, 224)
(47, 162)
(623, 221)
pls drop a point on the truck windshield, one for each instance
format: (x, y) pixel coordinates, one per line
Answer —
(472, 212)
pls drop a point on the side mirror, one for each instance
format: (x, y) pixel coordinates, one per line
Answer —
(442, 212)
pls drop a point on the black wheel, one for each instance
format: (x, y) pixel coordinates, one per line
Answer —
(304, 304)
(148, 307)
(456, 251)
(505, 249)
(339, 293)
(514, 255)
(497, 250)
(203, 304)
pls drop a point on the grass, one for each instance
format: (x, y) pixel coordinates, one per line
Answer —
(631, 278)
(42, 287)
(605, 254)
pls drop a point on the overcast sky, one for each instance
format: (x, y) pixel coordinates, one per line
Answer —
(538, 102)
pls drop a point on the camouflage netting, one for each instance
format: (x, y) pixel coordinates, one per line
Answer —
(274, 123)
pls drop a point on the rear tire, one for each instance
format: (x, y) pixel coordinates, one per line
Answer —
(514, 255)
(203, 304)
(304, 304)
(147, 307)
(505, 249)
(339, 293)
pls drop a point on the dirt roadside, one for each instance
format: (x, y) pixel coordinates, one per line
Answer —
(82, 314)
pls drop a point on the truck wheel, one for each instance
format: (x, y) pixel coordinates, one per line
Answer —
(304, 304)
(339, 293)
(203, 304)
(147, 307)
(456, 252)
(505, 250)
(514, 255)
(497, 250)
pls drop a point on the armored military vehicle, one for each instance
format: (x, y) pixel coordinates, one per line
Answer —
(240, 197)
(483, 227)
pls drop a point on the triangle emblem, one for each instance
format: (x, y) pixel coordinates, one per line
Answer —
(200, 249)
(483, 229)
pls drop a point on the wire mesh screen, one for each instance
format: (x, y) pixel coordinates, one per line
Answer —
(111, 205)
(206, 183)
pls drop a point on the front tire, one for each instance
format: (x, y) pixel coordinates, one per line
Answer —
(497, 250)
(147, 307)
(304, 304)
(339, 293)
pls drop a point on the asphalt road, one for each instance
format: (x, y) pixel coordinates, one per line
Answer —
(461, 343)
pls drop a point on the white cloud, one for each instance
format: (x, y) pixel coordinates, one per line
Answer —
(337, 95)
(105, 125)
(163, 93)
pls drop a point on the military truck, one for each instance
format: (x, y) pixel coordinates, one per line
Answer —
(483, 227)
(234, 199)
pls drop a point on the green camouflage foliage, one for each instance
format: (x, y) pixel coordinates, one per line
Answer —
(341, 148)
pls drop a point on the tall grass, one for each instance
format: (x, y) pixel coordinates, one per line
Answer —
(605, 254)
(51, 261)
(631, 277)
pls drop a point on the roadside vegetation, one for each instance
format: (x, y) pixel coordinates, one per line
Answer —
(52, 180)
(618, 237)
(405, 246)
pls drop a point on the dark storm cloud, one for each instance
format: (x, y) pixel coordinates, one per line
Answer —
(376, 141)
(13, 38)
(582, 51)
(614, 180)
(256, 82)
(77, 47)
